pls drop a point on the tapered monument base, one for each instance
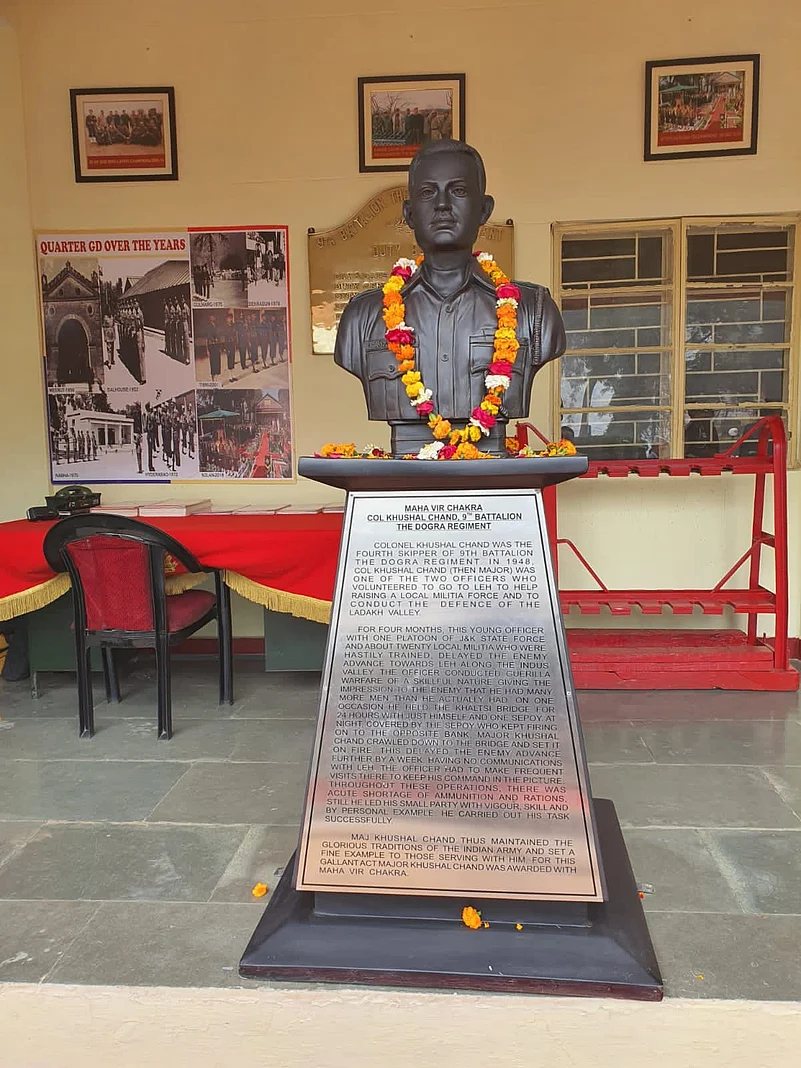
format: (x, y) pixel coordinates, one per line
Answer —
(592, 950)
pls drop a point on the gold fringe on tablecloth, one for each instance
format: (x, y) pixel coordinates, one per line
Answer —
(16, 604)
(293, 604)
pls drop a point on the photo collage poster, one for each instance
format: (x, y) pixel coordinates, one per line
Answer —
(167, 355)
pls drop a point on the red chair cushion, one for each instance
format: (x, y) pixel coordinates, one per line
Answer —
(115, 576)
(183, 609)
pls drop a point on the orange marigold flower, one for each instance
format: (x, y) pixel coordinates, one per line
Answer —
(512, 446)
(260, 889)
(406, 365)
(440, 428)
(471, 918)
(466, 451)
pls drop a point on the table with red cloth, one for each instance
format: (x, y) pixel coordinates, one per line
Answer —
(285, 562)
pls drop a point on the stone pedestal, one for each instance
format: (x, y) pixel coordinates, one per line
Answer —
(448, 768)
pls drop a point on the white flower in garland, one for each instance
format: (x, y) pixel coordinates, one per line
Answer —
(431, 451)
(426, 395)
(493, 381)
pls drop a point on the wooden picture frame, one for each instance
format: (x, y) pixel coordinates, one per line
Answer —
(399, 114)
(701, 107)
(124, 134)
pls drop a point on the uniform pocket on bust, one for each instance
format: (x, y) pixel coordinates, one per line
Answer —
(380, 362)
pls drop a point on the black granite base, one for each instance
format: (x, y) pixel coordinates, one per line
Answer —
(594, 950)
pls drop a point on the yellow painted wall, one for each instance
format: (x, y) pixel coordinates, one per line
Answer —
(266, 108)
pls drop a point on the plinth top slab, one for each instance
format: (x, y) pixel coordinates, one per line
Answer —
(417, 475)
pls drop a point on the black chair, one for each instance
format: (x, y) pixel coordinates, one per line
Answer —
(116, 566)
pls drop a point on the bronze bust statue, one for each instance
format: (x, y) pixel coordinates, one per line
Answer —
(450, 303)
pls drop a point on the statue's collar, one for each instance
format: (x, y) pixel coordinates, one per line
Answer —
(476, 276)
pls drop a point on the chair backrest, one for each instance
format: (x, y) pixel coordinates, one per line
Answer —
(116, 566)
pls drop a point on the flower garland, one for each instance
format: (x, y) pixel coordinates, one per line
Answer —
(450, 444)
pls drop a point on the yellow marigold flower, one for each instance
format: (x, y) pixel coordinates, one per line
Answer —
(471, 918)
(473, 433)
(486, 924)
(503, 333)
(260, 889)
(411, 376)
(518, 926)
(414, 389)
(394, 283)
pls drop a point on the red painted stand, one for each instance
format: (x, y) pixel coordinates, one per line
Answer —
(689, 659)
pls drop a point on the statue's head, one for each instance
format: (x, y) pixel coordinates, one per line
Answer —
(447, 201)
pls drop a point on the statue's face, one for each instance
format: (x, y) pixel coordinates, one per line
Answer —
(446, 206)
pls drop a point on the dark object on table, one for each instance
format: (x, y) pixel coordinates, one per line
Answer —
(116, 566)
(71, 499)
(41, 512)
(450, 304)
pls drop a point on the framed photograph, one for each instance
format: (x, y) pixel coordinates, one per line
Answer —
(701, 107)
(398, 115)
(124, 135)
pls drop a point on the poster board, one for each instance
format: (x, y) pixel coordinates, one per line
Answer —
(167, 354)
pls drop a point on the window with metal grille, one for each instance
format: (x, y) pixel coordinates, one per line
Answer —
(679, 333)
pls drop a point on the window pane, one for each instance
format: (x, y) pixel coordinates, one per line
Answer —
(711, 430)
(613, 260)
(750, 254)
(606, 381)
(738, 376)
(625, 320)
(620, 435)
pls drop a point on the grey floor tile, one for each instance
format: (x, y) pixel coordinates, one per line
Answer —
(58, 697)
(116, 739)
(763, 866)
(711, 742)
(120, 862)
(721, 956)
(681, 869)
(261, 857)
(236, 793)
(277, 740)
(788, 783)
(615, 744)
(273, 701)
(35, 934)
(15, 833)
(664, 795)
(160, 944)
(672, 706)
(84, 790)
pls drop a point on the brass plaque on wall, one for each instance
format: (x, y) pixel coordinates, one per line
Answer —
(449, 758)
(359, 254)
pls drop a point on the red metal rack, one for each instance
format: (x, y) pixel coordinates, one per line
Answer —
(690, 659)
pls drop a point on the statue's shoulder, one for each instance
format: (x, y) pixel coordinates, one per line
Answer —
(531, 290)
(363, 305)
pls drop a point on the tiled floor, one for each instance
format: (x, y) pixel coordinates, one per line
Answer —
(126, 860)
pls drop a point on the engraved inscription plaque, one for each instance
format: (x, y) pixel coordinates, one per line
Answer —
(359, 254)
(448, 757)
